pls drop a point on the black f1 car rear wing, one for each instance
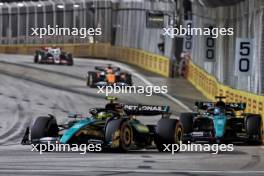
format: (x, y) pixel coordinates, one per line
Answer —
(228, 106)
(146, 109)
(204, 105)
(100, 68)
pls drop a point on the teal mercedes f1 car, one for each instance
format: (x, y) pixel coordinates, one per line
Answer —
(222, 122)
(114, 126)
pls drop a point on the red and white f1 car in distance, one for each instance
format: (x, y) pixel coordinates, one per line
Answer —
(53, 55)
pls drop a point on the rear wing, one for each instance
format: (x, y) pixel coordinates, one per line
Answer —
(204, 105)
(146, 110)
(228, 106)
(100, 68)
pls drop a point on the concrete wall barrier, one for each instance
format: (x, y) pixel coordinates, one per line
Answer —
(210, 87)
(145, 60)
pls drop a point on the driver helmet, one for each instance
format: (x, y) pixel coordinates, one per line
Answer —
(114, 106)
(102, 74)
(117, 107)
(109, 69)
(103, 115)
(218, 111)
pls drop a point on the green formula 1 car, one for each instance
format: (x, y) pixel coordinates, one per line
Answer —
(113, 127)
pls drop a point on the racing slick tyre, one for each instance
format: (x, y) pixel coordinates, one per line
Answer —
(69, 60)
(44, 127)
(126, 137)
(169, 131)
(187, 122)
(129, 79)
(254, 129)
(120, 134)
(91, 79)
(36, 58)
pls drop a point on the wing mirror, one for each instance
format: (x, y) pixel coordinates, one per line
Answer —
(93, 111)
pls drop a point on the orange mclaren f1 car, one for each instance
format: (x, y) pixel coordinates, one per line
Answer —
(108, 76)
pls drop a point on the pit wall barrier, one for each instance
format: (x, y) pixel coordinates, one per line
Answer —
(210, 87)
(145, 60)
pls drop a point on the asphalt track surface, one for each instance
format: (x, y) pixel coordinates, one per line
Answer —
(29, 90)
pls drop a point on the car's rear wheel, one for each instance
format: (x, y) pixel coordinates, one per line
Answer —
(254, 129)
(69, 60)
(169, 131)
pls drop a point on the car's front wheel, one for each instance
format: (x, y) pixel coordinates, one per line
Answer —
(91, 78)
(119, 133)
(44, 127)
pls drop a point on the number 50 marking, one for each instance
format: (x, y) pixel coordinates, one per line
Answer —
(244, 63)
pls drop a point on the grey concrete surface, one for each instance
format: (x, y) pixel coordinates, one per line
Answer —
(29, 90)
(178, 87)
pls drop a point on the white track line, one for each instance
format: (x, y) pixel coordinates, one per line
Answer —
(166, 95)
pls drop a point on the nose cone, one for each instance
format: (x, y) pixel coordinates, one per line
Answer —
(219, 126)
(74, 129)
